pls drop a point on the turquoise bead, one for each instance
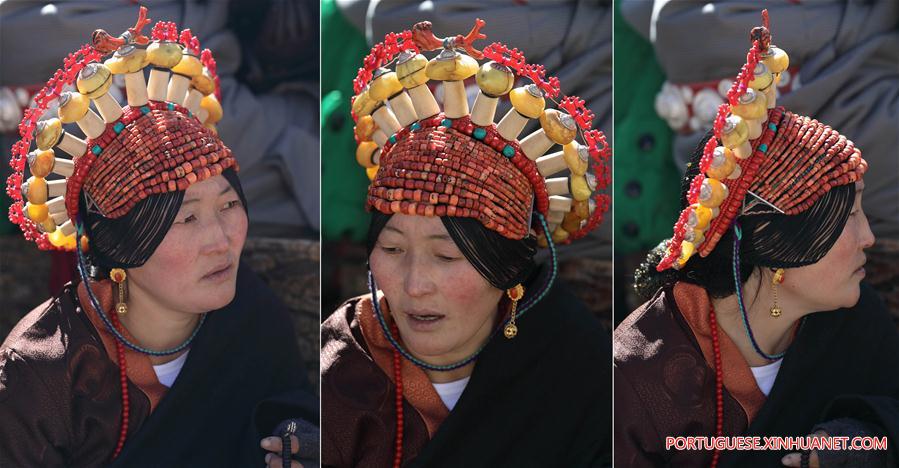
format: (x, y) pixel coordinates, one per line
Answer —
(508, 151)
(392, 139)
(763, 148)
(145, 110)
(96, 150)
(416, 126)
(446, 123)
(479, 133)
(118, 127)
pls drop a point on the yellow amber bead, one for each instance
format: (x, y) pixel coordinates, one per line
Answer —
(686, 251)
(48, 133)
(580, 186)
(69, 242)
(722, 164)
(189, 66)
(528, 102)
(558, 126)
(36, 191)
(735, 132)
(41, 162)
(203, 82)
(700, 216)
(94, 80)
(582, 208)
(57, 238)
(365, 127)
(363, 104)
(776, 59)
(751, 105)
(371, 172)
(72, 107)
(85, 243)
(576, 157)
(364, 153)
(47, 225)
(213, 107)
(762, 77)
(712, 193)
(128, 59)
(410, 70)
(384, 86)
(164, 54)
(450, 65)
(494, 79)
(572, 222)
(36, 213)
(695, 236)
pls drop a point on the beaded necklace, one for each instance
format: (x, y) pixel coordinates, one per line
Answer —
(399, 352)
(113, 325)
(82, 269)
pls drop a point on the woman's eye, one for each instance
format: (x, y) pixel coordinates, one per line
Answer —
(231, 204)
(447, 258)
(390, 250)
(188, 219)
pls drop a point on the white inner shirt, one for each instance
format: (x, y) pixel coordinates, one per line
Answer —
(168, 372)
(451, 391)
(765, 375)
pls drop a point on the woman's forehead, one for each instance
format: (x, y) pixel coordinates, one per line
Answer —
(211, 187)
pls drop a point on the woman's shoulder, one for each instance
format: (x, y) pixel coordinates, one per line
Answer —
(342, 341)
(37, 351)
(42, 333)
(641, 336)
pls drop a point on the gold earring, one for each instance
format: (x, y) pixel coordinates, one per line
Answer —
(515, 294)
(775, 280)
(119, 276)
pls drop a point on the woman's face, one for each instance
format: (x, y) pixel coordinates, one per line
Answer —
(444, 309)
(194, 269)
(833, 282)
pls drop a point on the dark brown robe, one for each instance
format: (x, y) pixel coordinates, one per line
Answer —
(841, 363)
(61, 400)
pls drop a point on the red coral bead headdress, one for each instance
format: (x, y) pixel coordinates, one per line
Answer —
(163, 140)
(760, 156)
(429, 161)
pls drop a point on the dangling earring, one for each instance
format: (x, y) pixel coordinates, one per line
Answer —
(119, 276)
(775, 280)
(515, 293)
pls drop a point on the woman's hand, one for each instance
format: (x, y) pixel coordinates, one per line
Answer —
(273, 446)
(795, 458)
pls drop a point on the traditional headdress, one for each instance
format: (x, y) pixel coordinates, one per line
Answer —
(763, 160)
(431, 162)
(161, 142)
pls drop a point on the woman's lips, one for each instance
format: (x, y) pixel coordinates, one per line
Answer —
(219, 273)
(423, 320)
